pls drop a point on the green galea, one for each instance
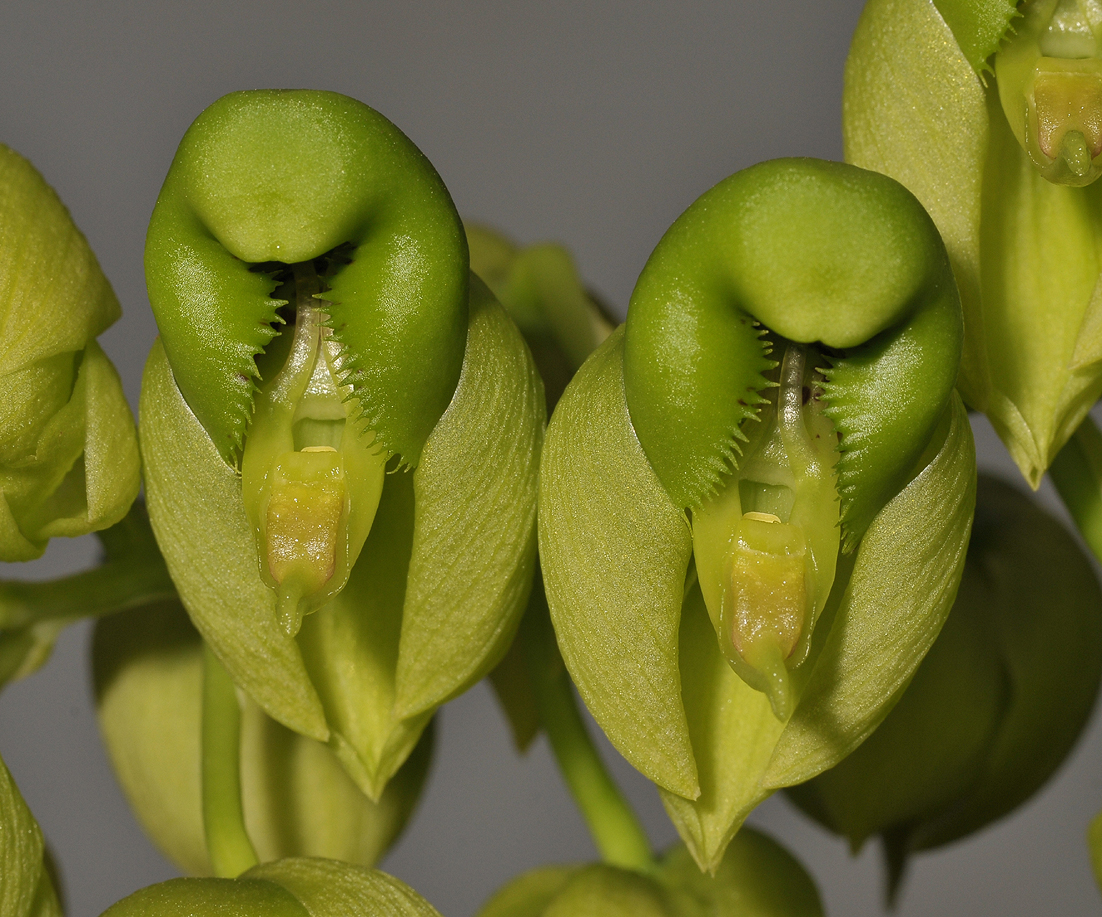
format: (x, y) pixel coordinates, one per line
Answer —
(147, 667)
(996, 704)
(755, 497)
(990, 111)
(757, 878)
(68, 448)
(287, 888)
(26, 889)
(340, 426)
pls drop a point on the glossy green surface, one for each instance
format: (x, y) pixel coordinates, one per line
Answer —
(26, 889)
(816, 253)
(289, 176)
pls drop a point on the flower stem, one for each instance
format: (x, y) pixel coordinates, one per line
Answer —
(616, 831)
(133, 573)
(231, 852)
(1077, 474)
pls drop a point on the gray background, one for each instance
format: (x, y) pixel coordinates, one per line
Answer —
(593, 124)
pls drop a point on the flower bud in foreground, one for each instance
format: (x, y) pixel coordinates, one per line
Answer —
(286, 888)
(757, 878)
(768, 466)
(68, 449)
(147, 667)
(319, 327)
(997, 703)
(947, 97)
(26, 889)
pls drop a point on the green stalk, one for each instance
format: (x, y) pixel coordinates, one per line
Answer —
(1077, 474)
(617, 833)
(228, 845)
(133, 573)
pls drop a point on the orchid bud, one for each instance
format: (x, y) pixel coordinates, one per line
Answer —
(755, 498)
(340, 426)
(996, 705)
(68, 449)
(562, 322)
(147, 667)
(757, 878)
(286, 888)
(978, 111)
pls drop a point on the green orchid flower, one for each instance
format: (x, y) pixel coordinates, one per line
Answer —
(755, 497)
(340, 427)
(147, 667)
(26, 888)
(990, 111)
(286, 888)
(757, 878)
(997, 703)
(68, 449)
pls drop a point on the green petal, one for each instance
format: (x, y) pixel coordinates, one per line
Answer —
(298, 800)
(25, 886)
(904, 580)
(733, 732)
(475, 521)
(756, 878)
(197, 515)
(978, 26)
(913, 108)
(287, 176)
(815, 252)
(328, 888)
(614, 551)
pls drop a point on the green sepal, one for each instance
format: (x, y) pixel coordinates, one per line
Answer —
(528, 895)
(210, 898)
(147, 666)
(68, 449)
(288, 176)
(915, 109)
(26, 889)
(815, 252)
(614, 550)
(979, 26)
(195, 507)
(474, 544)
